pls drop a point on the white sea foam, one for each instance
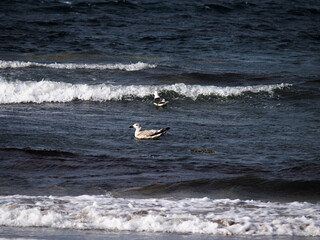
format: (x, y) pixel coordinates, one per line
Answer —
(191, 215)
(117, 66)
(50, 91)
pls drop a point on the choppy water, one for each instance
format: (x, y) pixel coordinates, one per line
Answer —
(242, 80)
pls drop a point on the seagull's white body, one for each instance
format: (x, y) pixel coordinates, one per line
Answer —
(148, 134)
(159, 102)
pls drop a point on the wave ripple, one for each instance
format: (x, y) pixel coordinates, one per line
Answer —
(189, 215)
(50, 91)
(117, 66)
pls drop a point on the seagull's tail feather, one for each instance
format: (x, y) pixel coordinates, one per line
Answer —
(161, 131)
(165, 129)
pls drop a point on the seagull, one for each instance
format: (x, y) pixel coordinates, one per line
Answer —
(159, 102)
(148, 134)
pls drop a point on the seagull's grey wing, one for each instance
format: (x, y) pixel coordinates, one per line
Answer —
(151, 134)
(146, 133)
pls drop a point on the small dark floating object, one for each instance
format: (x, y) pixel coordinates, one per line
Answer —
(202, 150)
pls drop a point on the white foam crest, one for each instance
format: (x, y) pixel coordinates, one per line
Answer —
(194, 91)
(191, 215)
(50, 91)
(117, 66)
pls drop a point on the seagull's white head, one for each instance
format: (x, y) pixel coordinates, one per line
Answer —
(156, 95)
(136, 126)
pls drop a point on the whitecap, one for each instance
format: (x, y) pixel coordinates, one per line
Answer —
(116, 66)
(186, 216)
(51, 91)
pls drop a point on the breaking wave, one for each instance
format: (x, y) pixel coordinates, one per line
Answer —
(50, 91)
(117, 66)
(189, 215)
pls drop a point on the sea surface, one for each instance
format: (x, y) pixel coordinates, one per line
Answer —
(241, 159)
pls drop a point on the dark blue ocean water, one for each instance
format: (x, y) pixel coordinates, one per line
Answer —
(243, 83)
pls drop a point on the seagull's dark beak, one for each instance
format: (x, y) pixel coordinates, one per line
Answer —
(131, 126)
